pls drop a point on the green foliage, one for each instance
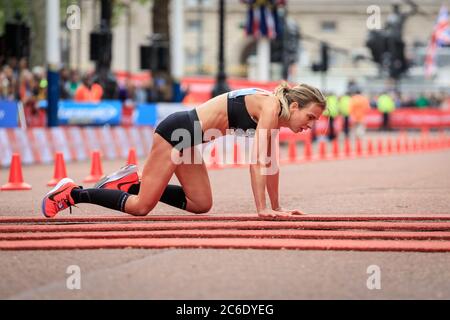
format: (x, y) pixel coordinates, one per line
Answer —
(9, 7)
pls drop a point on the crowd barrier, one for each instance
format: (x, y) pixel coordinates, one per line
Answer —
(38, 145)
(113, 113)
(223, 152)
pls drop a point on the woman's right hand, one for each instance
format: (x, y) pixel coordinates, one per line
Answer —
(269, 213)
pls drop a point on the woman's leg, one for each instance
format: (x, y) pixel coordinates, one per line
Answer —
(156, 175)
(195, 183)
(194, 194)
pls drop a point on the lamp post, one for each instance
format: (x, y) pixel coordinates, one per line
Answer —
(103, 61)
(53, 61)
(221, 83)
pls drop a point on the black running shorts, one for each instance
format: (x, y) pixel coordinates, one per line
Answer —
(190, 135)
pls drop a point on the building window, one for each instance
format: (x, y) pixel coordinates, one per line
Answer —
(194, 25)
(328, 26)
(196, 3)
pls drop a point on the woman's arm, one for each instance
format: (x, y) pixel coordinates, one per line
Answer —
(273, 190)
(262, 170)
(267, 121)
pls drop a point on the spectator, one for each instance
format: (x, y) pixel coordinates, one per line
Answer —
(352, 87)
(123, 94)
(344, 110)
(8, 84)
(88, 91)
(386, 106)
(163, 88)
(332, 111)
(64, 93)
(422, 101)
(150, 92)
(435, 100)
(359, 105)
(73, 83)
(408, 101)
(140, 95)
(41, 80)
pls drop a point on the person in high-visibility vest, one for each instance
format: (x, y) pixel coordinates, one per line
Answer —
(332, 111)
(359, 105)
(386, 105)
(344, 103)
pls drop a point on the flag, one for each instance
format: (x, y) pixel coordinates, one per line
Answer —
(263, 18)
(439, 38)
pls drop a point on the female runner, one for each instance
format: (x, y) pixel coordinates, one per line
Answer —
(250, 110)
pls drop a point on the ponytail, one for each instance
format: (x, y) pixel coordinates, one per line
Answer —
(303, 94)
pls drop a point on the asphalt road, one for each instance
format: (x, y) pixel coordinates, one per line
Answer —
(397, 184)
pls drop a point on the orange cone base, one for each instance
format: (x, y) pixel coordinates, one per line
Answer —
(92, 179)
(16, 187)
(53, 182)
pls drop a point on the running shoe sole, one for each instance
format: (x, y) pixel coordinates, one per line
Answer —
(116, 176)
(59, 185)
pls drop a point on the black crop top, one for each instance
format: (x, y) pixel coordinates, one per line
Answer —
(238, 116)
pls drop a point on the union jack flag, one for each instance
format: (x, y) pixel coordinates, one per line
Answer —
(439, 38)
(263, 18)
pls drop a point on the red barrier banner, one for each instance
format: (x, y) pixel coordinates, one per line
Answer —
(408, 118)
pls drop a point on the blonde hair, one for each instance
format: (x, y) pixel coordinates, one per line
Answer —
(303, 94)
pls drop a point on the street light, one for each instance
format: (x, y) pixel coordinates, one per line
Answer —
(221, 83)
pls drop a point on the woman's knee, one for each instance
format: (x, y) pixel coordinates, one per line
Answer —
(141, 208)
(203, 207)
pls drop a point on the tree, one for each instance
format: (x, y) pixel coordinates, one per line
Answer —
(160, 23)
(38, 32)
(34, 12)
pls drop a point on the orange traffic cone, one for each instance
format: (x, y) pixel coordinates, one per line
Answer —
(389, 146)
(415, 146)
(15, 176)
(292, 150)
(407, 144)
(347, 148)
(132, 158)
(60, 170)
(442, 139)
(322, 150)
(399, 144)
(380, 146)
(430, 143)
(336, 148)
(308, 150)
(96, 169)
(236, 155)
(214, 157)
(370, 147)
(423, 144)
(359, 147)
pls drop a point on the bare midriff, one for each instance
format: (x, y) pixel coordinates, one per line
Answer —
(213, 114)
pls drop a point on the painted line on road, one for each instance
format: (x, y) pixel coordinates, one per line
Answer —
(241, 217)
(195, 233)
(239, 225)
(219, 243)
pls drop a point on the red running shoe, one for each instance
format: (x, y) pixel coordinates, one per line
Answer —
(122, 179)
(58, 198)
